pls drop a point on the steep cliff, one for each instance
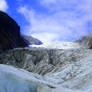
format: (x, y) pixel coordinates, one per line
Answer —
(9, 33)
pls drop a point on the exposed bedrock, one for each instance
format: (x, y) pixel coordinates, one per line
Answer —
(10, 36)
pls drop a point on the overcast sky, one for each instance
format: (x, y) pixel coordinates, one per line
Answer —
(51, 20)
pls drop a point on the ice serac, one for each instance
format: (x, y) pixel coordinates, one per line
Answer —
(43, 61)
(18, 80)
(10, 81)
(67, 70)
(10, 36)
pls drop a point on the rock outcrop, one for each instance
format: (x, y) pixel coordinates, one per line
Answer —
(10, 33)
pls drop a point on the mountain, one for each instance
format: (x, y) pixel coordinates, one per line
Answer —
(85, 41)
(10, 33)
(31, 40)
(52, 67)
